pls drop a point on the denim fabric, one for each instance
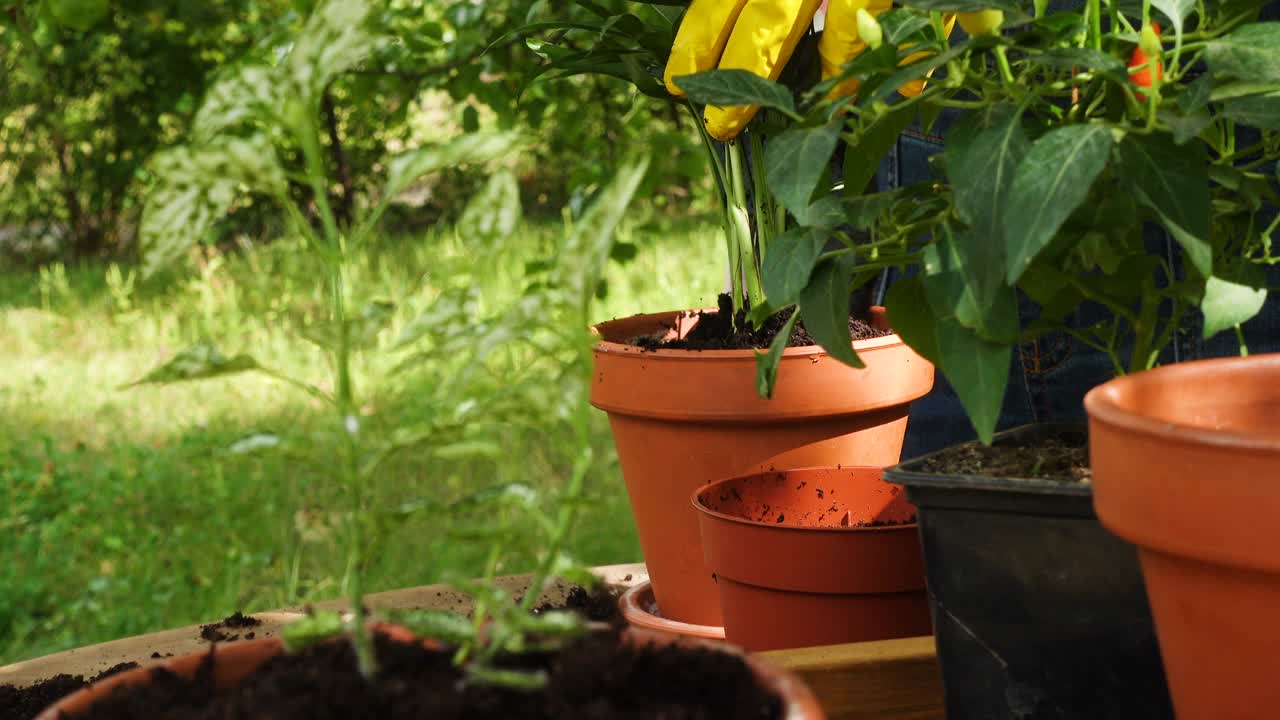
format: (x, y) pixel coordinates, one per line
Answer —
(1048, 378)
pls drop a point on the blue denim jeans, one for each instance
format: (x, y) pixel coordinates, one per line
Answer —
(1048, 378)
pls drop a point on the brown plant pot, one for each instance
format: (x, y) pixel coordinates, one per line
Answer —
(684, 418)
(234, 662)
(799, 562)
(1184, 461)
(640, 609)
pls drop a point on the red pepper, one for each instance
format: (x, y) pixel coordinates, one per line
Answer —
(1144, 77)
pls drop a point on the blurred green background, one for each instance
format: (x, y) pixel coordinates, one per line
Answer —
(123, 510)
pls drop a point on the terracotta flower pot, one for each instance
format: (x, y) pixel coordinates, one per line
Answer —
(797, 567)
(683, 418)
(1184, 461)
(234, 662)
(640, 609)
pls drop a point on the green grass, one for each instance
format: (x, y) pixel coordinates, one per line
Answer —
(125, 511)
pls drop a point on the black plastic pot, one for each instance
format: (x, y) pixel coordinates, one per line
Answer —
(1038, 612)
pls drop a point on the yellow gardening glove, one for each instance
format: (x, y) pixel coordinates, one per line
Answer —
(760, 36)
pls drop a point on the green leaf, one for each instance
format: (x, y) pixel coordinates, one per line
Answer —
(825, 304)
(789, 262)
(797, 159)
(1051, 182)
(336, 37)
(727, 88)
(767, 363)
(249, 92)
(1259, 111)
(951, 283)
(1072, 58)
(1250, 52)
(1197, 94)
(1176, 10)
(494, 212)
(962, 5)
(982, 172)
(553, 623)
(1172, 181)
(901, 23)
(445, 627)
(80, 15)
(585, 253)
(404, 169)
(862, 158)
(1185, 127)
(915, 71)
(912, 319)
(316, 628)
(1227, 304)
(198, 362)
(978, 370)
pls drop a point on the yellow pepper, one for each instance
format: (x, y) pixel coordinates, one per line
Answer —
(840, 40)
(701, 39)
(763, 39)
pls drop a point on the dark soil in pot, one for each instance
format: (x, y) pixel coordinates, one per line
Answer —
(1039, 613)
(714, 331)
(594, 677)
(27, 702)
(1061, 456)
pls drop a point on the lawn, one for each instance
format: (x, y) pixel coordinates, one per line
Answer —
(128, 510)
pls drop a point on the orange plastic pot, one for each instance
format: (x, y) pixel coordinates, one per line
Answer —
(234, 662)
(1185, 459)
(683, 418)
(802, 558)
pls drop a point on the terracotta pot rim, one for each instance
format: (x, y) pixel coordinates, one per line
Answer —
(637, 616)
(609, 346)
(784, 527)
(1103, 403)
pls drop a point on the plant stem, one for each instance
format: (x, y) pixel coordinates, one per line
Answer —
(344, 395)
(1244, 348)
(749, 268)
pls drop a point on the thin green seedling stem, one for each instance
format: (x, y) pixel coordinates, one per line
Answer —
(344, 395)
(742, 228)
(760, 196)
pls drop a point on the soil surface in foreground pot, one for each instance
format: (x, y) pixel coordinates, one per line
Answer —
(25, 703)
(594, 677)
(714, 331)
(1062, 457)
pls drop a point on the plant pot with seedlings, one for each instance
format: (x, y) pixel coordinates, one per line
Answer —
(790, 370)
(504, 659)
(811, 557)
(1078, 134)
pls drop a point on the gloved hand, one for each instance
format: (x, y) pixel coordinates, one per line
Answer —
(760, 36)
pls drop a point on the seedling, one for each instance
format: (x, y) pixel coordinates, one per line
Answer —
(258, 132)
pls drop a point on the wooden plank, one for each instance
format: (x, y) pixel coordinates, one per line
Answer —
(883, 680)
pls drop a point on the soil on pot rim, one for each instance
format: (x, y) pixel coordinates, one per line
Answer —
(214, 632)
(1061, 457)
(25, 703)
(595, 677)
(714, 331)
(599, 604)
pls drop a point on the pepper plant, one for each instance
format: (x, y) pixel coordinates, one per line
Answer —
(259, 131)
(1069, 133)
